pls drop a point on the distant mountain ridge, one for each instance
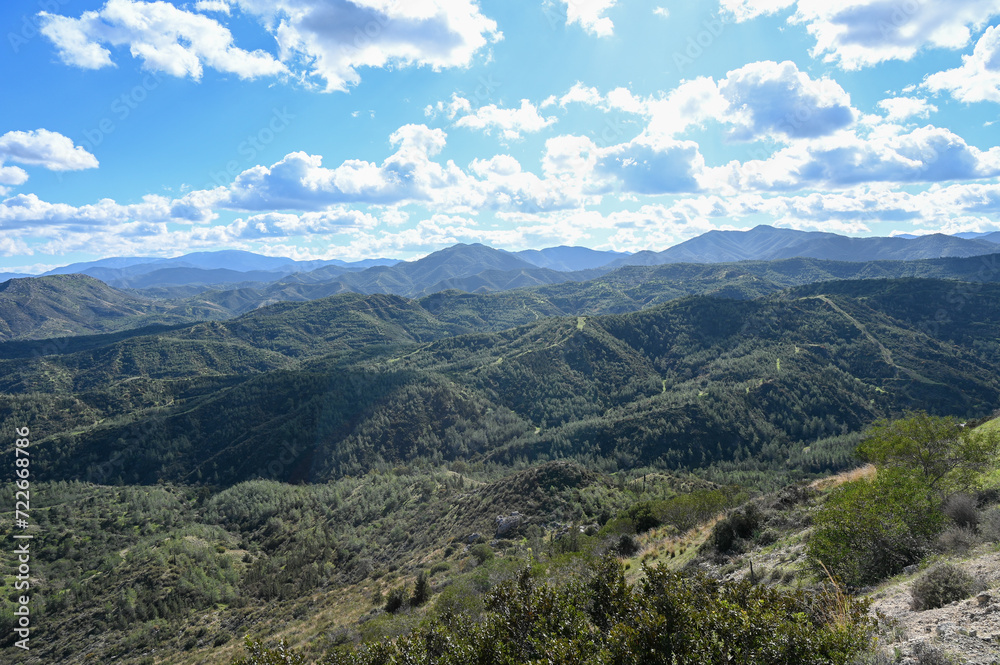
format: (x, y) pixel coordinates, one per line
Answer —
(226, 268)
(767, 243)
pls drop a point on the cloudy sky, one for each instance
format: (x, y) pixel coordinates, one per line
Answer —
(362, 128)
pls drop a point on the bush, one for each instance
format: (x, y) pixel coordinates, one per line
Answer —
(626, 545)
(989, 525)
(926, 654)
(869, 530)
(421, 590)
(482, 553)
(669, 618)
(731, 533)
(958, 540)
(395, 600)
(962, 510)
(941, 585)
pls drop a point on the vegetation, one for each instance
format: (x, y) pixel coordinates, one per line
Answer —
(871, 529)
(668, 618)
(374, 477)
(941, 585)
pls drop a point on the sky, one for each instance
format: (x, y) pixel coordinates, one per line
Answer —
(321, 129)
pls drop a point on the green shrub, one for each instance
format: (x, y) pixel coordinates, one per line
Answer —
(421, 590)
(869, 530)
(941, 585)
(481, 553)
(669, 618)
(626, 545)
(262, 655)
(395, 600)
(731, 533)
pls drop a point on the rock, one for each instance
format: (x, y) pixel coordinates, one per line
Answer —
(945, 628)
(983, 599)
(508, 523)
(909, 570)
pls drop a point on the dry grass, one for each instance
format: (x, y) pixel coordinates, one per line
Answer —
(824, 484)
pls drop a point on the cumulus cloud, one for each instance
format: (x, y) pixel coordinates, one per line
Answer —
(744, 10)
(978, 79)
(283, 225)
(590, 15)
(924, 155)
(41, 147)
(300, 181)
(510, 122)
(901, 108)
(335, 38)
(321, 42)
(220, 6)
(165, 38)
(768, 98)
(861, 33)
(759, 100)
(666, 167)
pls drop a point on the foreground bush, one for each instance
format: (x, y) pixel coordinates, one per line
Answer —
(869, 530)
(941, 585)
(668, 618)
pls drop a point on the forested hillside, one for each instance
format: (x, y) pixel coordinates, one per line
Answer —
(312, 460)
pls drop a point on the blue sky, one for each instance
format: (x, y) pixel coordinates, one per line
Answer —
(339, 129)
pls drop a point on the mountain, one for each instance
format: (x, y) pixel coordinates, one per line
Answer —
(204, 268)
(313, 460)
(493, 299)
(59, 305)
(764, 243)
(352, 382)
(182, 276)
(413, 278)
(991, 236)
(569, 259)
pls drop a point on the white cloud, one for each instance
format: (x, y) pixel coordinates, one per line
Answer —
(978, 79)
(11, 176)
(664, 167)
(901, 108)
(924, 155)
(767, 99)
(220, 6)
(759, 100)
(590, 15)
(41, 147)
(861, 33)
(335, 38)
(319, 41)
(661, 11)
(510, 122)
(581, 94)
(283, 225)
(744, 10)
(165, 38)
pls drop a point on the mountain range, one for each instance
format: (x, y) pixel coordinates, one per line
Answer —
(230, 269)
